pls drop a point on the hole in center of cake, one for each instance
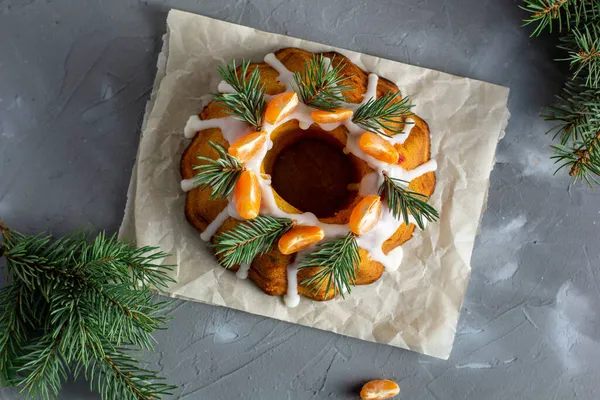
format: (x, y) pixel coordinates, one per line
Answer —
(313, 175)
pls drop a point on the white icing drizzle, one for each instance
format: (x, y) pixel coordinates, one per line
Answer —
(225, 87)
(372, 241)
(286, 77)
(371, 92)
(292, 298)
(214, 226)
(401, 137)
(242, 272)
(187, 185)
(232, 128)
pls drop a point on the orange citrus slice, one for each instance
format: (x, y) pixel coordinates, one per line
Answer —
(280, 106)
(379, 390)
(247, 146)
(328, 117)
(300, 237)
(379, 148)
(247, 195)
(365, 215)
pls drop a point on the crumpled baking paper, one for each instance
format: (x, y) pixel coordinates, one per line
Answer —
(416, 307)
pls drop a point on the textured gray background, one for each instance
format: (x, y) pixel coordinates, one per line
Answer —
(74, 78)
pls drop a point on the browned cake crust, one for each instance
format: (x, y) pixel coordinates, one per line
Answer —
(269, 271)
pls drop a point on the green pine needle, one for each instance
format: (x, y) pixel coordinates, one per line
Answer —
(248, 102)
(250, 238)
(71, 305)
(220, 175)
(545, 13)
(582, 158)
(583, 51)
(402, 201)
(338, 261)
(576, 113)
(383, 114)
(321, 85)
(578, 109)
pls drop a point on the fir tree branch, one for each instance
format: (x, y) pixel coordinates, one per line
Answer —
(15, 329)
(546, 12)
(402, 201)
(116, 376)
(249, 239)
(583, 48)
(338, 262)
(582, 159)
(385, 114)
(79, 302)
(320, 84)
(248, 102)
(575, 113)
(220, 175)
(43, 366)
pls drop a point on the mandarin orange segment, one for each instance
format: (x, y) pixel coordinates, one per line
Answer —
(299, 238)
(247, 195)
(280, 107)
(379, 390)
(329, 117)
(379, 148)
(365, 215)
(247, 146)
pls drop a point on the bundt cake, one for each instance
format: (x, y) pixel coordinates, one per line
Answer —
(306, 174)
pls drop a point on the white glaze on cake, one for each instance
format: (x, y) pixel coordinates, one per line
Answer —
(242, 272)
(372, 241)
(187, 185)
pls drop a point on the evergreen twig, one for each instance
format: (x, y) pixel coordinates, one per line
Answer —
(578, 110)
(321, 84)
(220, 175)
(385, 114)
(338, 262)
(402, 201)
(249, 239)
(248, 102)
(583, 53)
(70, 305)
(545, 13)
(582, 158)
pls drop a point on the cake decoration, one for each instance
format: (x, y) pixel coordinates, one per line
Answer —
(251, 133)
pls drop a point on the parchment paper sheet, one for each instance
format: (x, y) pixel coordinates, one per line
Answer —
(416, 307)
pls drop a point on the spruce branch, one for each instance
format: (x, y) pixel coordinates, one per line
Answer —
(249, 239)
(320, 84)
(116, 375)
(402, 201)
(545, 13)
(338, 262)
(248, 102)
(583, 53)
(575, 113)
(582, 158)
(72, 302)
(220, 175)
(385, 114)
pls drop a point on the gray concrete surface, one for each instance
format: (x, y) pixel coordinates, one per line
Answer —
(74, 78)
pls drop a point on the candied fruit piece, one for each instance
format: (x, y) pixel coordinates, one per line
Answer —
(365, 215)
(247, 195)
(300, 237)
(329, 117)
(379, 390)
(280, 106)
(379, 148)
